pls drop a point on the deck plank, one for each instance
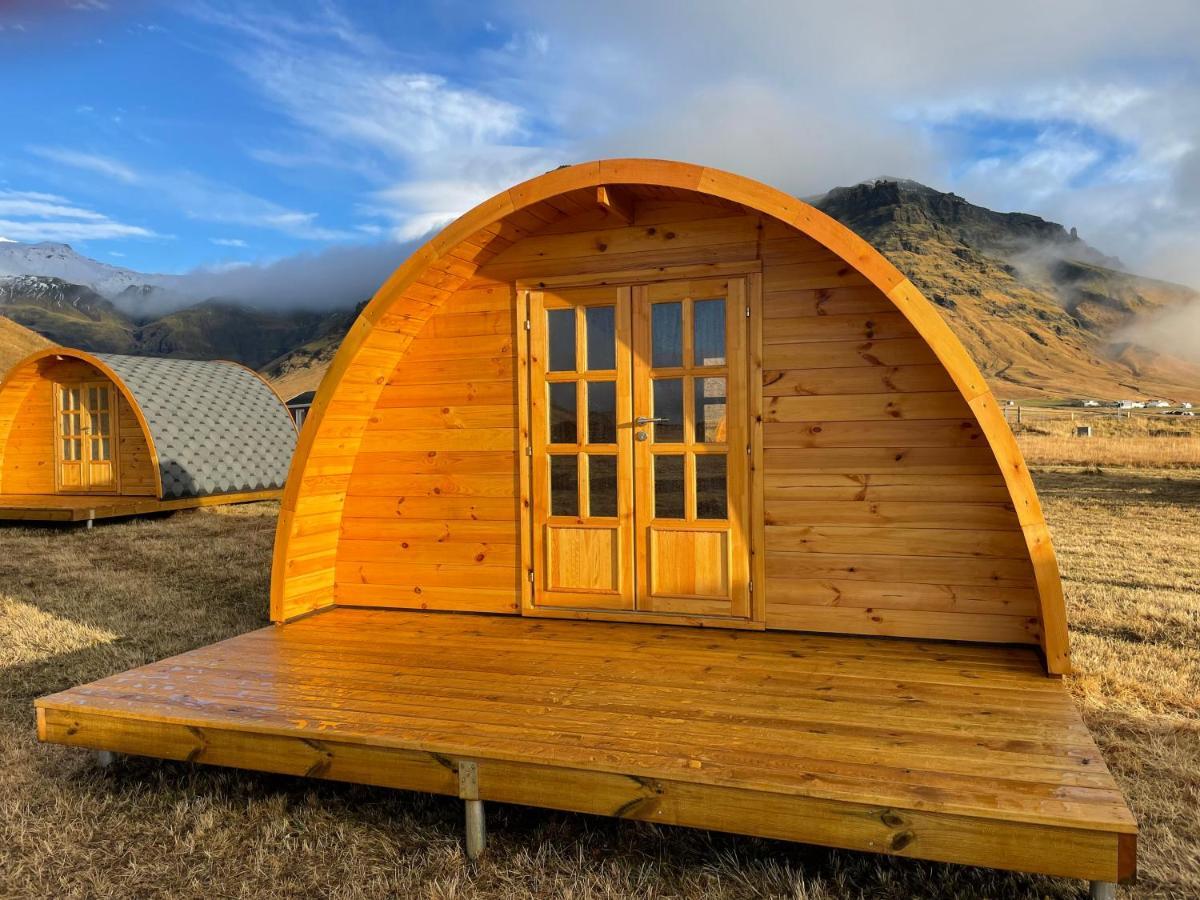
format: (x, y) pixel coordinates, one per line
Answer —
(977, 732)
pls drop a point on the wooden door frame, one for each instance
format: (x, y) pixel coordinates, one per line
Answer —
(85, 442)
(755, 533)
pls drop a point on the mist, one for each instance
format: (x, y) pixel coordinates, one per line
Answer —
(337, 277)
(1175, 332)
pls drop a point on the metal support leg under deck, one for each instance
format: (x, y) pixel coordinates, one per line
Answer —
(468, 790)
(105, 758)
(476, 829)
(1103, 890)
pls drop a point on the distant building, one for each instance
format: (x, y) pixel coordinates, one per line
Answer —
(299, 405)
(1130, 404)
(1091, 402)
(1159, 404)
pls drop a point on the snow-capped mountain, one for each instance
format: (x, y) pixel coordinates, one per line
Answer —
(61, 262)
(135, 293)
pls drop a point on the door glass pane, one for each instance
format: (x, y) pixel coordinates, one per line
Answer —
(602, 485)
(105, 450)
(93, 397)
(104, 398)
(601, 337)
(602, 412)
(668, 404)
(75, 424)
(560, 334)
(563, 427)
(66, 450)
(74, 398)
(668, 487)
(64, 398)
(666, 334)
(711, 493)
(66, 423)
(709, 395)
(708, 326)
(564, 486)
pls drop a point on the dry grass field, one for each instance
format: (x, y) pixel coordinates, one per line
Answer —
(76, 605)
(1142, 440)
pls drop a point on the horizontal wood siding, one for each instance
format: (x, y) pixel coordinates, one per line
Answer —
(885, 510)
(430, 517)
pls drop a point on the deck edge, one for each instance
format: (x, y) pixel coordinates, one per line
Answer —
(1091, 854)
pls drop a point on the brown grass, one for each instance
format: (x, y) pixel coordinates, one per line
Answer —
(1149, 441)
(77, 605)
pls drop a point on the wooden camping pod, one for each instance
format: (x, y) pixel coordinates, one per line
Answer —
(886, 494)
(86, 436)
(620, 398)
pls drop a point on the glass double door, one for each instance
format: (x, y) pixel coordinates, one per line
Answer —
(638, 438)
(85, 445)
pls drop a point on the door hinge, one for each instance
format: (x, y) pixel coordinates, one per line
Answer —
(531, 576)
(752, 587)
(529, 450)
(528, 325)
(747, 312)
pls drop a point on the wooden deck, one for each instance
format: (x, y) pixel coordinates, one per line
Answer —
(949, 752)
(86, 507)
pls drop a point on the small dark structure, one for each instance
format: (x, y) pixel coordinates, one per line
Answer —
(299, 405)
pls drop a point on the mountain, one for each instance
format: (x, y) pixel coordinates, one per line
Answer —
(302, 368)
(77, 316)
(66, 313)
(1044, 314)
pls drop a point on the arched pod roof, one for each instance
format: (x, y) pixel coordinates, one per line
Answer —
(381, 336)
(213, 427)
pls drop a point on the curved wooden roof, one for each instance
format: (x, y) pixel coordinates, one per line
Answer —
(381, 335)
(212, 427)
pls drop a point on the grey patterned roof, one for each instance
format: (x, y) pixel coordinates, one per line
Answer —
(216, 426)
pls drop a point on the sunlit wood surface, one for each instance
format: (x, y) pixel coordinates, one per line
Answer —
(936, 750)
(80, 508)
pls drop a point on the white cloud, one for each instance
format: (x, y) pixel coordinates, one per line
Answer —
(228, 242)
(36, 205)
(90, 162)
(38, 216)
(334, 277)
(200, 198)
(64, 231)
(438, 146)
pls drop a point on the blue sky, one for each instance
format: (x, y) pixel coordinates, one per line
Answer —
(170, 136)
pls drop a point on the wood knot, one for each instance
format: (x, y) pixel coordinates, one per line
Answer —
(901, 840)
(890, 819)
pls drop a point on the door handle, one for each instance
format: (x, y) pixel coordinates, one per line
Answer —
(644, 420)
